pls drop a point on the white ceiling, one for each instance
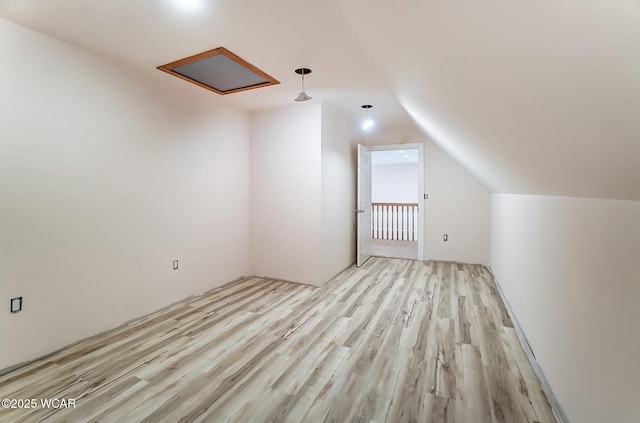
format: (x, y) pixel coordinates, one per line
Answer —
(539, 97)
(394, 157)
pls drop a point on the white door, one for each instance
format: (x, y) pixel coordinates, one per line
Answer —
(363, 212)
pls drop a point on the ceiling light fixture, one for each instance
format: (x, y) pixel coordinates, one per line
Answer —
(188, 5)
(303, 95)
(368, 122)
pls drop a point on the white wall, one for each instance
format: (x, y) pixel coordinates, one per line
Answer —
(570, 268)
(286, 193)
(302, 193)
(338, 192)
(458, 204)
(394, 183)
(103, 182)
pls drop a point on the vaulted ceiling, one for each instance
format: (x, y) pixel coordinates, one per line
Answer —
(538, 97)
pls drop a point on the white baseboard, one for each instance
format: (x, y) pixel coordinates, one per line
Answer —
(559, 414)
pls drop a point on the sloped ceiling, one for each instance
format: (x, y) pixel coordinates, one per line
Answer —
(538, 97)
(531, 97)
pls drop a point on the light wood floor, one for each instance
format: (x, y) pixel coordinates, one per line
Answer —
(394, 341)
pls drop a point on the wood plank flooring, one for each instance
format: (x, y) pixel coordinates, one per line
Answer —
(394, 341)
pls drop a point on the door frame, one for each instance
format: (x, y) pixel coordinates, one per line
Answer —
(421, 194)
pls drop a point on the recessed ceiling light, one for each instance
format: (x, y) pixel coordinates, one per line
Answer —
(368, 122)
(188, 5)
(406, 157)
(399, 151)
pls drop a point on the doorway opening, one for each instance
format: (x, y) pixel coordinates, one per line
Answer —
(396, 206)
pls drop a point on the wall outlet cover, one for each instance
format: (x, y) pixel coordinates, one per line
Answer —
(16, 304)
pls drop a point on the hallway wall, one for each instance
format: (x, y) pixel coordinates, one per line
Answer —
(394, 183)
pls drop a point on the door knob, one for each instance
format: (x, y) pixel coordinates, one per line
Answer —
(359, 211)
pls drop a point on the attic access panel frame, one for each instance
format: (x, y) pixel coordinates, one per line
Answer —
(235, 68)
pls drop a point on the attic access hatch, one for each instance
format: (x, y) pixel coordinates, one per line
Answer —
(220, 71)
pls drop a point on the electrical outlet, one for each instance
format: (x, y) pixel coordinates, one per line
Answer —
(16, 304)
(445, 237)
(175, 265)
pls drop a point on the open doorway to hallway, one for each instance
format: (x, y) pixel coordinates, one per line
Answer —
(395, 200)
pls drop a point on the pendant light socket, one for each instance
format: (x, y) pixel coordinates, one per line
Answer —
(303, 96)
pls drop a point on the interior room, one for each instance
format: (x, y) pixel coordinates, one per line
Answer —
(180, 205)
